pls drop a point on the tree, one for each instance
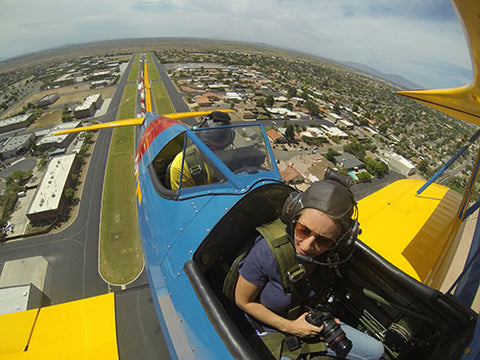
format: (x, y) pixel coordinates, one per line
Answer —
(312, 107)
(423, 166)
(376, 168)
(291, 92)
(69, 195)
(364, 176)
(330, 156)
(65, 114)
(269, 101)
(261, 102)
(290, 133)
(356, 149)
(336, 108)
(87, 138)
(305, 94)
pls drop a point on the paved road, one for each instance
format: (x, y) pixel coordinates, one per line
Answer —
(73, 252)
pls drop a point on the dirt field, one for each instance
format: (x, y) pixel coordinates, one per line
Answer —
(48, 118)
(68, 95)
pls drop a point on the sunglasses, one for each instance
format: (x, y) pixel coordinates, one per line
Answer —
(303, 232)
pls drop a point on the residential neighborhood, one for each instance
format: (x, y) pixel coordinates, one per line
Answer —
(316, 114)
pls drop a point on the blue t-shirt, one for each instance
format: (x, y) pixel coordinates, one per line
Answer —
(259, 268)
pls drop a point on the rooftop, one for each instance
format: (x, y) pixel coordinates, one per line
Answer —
(50, 190)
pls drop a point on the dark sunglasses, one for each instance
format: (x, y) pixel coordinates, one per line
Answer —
(303, 232)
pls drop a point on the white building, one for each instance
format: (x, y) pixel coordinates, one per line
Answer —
(344, 124)
(89, 105)
(398, 163)
(334, 131)
(49, 139)
(49, 201)
(316, 131)
(14, 123)
(16, 145)
(232, 95)
(20, 298)
(32, 270)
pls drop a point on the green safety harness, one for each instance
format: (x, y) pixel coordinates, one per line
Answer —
(196, 165)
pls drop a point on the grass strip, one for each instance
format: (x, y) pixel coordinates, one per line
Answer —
(152, 69)
(133, 75)
(163, 104)
(121, 258)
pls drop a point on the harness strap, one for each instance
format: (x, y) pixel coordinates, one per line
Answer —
(291, 271)
(275, 342)
(196, 165)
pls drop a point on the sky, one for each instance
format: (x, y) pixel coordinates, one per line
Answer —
(421, 40)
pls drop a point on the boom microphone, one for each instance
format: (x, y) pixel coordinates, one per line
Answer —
(308, 259)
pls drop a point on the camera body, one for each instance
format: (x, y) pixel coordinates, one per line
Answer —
(332, 332)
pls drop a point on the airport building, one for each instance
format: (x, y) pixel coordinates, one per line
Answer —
(47, 100)
(14, 123)
(49, 139)
(90, 104)
(49, 201)
(20, 298)
(22, 284)
(16, 145)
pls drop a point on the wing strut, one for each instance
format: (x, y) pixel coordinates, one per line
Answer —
(449, 162)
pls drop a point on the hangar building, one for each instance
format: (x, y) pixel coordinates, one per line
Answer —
(49, 201)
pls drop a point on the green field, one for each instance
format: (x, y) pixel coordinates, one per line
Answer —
(128, 102)
(133, 76)
(161, 100)
(152, 70)
(121, 259)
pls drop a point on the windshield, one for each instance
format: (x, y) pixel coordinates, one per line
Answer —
(240, 149)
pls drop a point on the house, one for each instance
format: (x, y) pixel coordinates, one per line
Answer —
(206, 99)
(291, 175)
(275, 137)
(348, 161)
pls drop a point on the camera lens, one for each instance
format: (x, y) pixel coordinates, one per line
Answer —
(332, 332)
(336, 339)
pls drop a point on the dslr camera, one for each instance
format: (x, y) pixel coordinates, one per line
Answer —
(332, 332)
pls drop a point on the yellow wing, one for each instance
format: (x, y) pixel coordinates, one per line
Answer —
(136, 121)
(83, 329)
(416, 233)
(464, 102)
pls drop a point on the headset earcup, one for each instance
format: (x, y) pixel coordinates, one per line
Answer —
(289, 207)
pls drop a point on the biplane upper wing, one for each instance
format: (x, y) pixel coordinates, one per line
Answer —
(464, 102)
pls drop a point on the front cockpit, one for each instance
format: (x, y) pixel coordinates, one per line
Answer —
(196, 161)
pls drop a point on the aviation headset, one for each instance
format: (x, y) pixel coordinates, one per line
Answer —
(223, 136)
(332, 196)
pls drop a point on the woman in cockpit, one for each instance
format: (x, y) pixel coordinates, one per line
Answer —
(322, 218)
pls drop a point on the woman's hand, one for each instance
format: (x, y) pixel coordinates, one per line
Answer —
(246, 298)
(301, 327)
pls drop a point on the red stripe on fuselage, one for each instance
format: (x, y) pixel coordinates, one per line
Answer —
(155, 127)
